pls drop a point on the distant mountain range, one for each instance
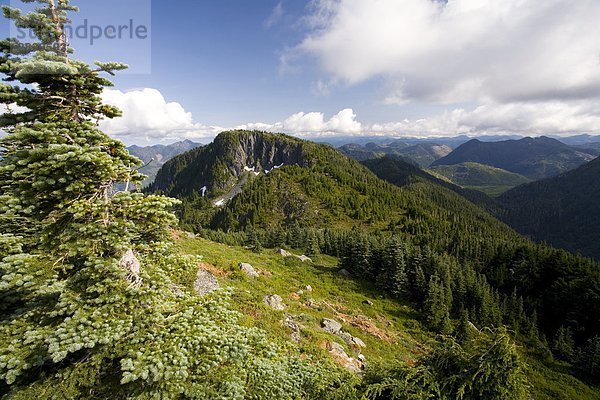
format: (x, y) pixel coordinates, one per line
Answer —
(155, 156)
(421, 154)
(564, 210)
(535, 158)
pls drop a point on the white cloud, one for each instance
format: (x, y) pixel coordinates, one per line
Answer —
(313, 124)
(275, 17)
(463, 50)
(148, 117)
(522, 118)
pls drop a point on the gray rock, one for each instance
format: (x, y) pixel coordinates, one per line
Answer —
(358, 342)
(248, 270)
(346, 337)
(308, 288)
(304, 258)
(344, 272)
(284, 253)
(368, 302)
(351, 340)
(274, 301)
(331, 326)
(339, 354)
(290, 322)
(205, 282)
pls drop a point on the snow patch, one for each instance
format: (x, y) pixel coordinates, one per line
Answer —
(274, 168)
(220, 203)
(203, 190)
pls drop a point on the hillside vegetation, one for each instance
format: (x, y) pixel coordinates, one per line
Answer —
(391, 329)
(418, 238)
(535, 158)
(490, 180)
(563, 211)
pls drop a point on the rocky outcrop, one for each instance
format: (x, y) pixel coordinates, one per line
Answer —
(205, 282)
(331, 326)
(334, 327)
(248, 270)
(290, 322)
(342, 358)
(219, 166)
(274, 301)
(285, 253)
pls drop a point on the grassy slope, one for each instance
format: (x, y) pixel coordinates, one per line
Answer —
(490, 180)
(400, 334)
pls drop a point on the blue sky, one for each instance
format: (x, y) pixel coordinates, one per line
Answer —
(350, 67)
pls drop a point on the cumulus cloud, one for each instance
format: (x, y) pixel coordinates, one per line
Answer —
(526, 118)
(148, 117)
(507, 51)
(313, 124)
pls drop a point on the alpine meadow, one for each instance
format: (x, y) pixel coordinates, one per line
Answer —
(447, 256)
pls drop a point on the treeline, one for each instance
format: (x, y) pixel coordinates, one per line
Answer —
(548, 298)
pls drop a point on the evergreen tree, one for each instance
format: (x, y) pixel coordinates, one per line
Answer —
(563, 344)
(436, 306)
(313, 248)
(86, 301)
(588, 359)
(252, 240)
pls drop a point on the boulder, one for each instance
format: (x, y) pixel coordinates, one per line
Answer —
(284, 253)
(248, 270)
(289, 321)
(274, 301)
(358, 342)
(351, 340)
(304, 258)
(205, 282)
(308, 288)
(368, 302)
(346, 337)
(331, 326)
(339, 354)
(344, 272)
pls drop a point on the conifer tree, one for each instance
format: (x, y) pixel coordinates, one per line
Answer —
(87, 305)
(563, 344)
(436, 306)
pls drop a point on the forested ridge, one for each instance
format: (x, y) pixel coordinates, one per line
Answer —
(563, 211)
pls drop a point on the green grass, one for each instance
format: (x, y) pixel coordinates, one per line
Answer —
(342, 298)
(489, 180)
(491, 190)
(333, 296)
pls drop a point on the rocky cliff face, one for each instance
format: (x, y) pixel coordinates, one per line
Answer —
(258, 151)
(222, 164)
